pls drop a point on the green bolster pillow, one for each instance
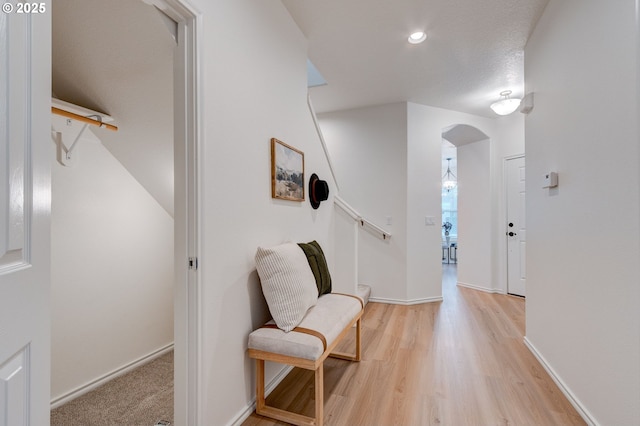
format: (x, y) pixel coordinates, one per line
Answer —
(318, 264)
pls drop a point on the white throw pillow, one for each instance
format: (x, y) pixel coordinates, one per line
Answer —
(287, 282)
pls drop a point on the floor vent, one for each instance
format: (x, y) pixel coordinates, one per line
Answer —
(162, 423)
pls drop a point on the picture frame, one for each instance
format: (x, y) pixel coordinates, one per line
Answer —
(287, 171)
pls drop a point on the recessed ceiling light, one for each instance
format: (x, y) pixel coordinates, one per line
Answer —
(417, 37)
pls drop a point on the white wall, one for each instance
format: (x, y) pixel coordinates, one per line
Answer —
(345, 267)
(254, 88)
(111, 267)
(388, 146)
(424, 180)
(369, 153)
(474, 216)
(583, 237)
(424, 187)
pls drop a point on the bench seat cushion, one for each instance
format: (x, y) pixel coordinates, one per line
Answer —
(331, 314)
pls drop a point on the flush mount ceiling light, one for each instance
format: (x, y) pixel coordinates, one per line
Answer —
(449, 179)
(417, 37)
(505, 105)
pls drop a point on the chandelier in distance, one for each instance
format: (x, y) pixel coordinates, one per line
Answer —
(449, 180)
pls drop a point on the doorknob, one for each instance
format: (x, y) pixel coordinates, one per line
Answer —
(511, 234)
(510, 224)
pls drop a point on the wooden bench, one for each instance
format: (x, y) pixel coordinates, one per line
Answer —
(306, 346)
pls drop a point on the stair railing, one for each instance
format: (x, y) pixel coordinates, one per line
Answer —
(362, 222)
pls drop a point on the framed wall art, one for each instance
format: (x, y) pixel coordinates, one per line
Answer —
(287, 171)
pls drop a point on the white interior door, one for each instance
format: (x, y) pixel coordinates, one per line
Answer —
(516, 227)
(25, 188)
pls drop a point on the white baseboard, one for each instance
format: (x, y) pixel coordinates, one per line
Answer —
(87, 387)
(580, 408)
(480, 288)
(405, 302)
(251, 407)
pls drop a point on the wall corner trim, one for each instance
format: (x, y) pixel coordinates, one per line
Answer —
(481, 288)
(406, 302)
(580, 408)
(88, 387)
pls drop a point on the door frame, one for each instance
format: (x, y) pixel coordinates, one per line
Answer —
(187, 145)
(502, 242)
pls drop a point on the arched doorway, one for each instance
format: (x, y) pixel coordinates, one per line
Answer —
(471, 247)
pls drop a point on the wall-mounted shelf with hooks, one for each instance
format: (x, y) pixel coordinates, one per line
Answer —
(82, 115)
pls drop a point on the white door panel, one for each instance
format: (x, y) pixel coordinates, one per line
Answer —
(14, 375)
(516, 232)
(25, 199)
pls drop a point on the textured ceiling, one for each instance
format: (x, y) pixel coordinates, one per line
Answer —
(116, 57)
(473, 51)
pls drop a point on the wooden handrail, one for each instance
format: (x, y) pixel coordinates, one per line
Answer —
(83, 119)
(364, 223)
(375, 228)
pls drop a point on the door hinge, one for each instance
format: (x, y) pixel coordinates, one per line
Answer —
(193, 263)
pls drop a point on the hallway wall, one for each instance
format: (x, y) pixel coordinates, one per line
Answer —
(379, 151)
(254, 88)
(369, 153)
(583, 237)
(474, 216)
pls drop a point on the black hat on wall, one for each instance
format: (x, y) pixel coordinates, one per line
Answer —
(318, 191)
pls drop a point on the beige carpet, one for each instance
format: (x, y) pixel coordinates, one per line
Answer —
(141, 397)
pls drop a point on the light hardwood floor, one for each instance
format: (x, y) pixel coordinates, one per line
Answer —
(459, 362)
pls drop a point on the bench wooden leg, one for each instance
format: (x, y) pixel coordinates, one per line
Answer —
(320, 395)
(297, 419)
(275, 413)
(260, 385)
(358, 340)
(358, 353)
